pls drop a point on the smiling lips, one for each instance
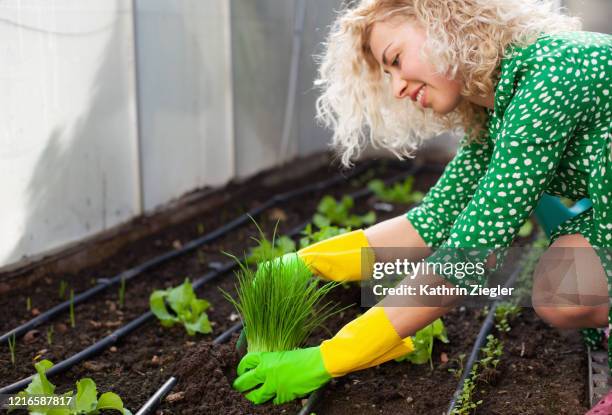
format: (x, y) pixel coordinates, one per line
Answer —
(415, 94)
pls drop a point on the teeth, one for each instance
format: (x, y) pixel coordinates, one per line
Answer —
(420, 94)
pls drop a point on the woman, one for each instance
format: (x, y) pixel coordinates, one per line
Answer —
(531, 93)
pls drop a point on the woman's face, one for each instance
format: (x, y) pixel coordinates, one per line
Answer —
(395, 44)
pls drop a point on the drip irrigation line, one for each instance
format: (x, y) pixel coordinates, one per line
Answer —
(105, 342)
(486, 327)
(126, 275)
(156, 399)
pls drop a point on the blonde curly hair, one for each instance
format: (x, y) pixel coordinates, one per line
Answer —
(464, 37)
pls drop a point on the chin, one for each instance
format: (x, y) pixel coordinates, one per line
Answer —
(445, 106)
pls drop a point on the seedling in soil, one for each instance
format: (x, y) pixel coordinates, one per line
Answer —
(492, 353)
(122, 293)
(310, 237)
(504, 313)
(28, 304)
(50, 335)
(85, 401)
(185, 308)
(459, 363)
(12, 342)
(423, 343)
(201, 258)
(72, 322)
(398, 193)
(62, 289)
(282, 306)
(465, 404)
(330, 212)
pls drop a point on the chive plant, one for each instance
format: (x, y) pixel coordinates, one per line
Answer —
(280, 304)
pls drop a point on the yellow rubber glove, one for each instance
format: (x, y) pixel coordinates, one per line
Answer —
(340, 258)
(367, 341)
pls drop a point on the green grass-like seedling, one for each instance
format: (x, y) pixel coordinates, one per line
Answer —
(122, 293)
(72, 321)
(12, 342)
(50, 335)
(62, 289)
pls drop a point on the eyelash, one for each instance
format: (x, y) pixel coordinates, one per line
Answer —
(395, 60)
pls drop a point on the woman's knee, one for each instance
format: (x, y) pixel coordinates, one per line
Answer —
(570, 289)
(573, 317)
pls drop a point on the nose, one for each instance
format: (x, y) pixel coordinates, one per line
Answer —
(399, 86)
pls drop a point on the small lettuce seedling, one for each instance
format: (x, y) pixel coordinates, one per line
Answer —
(330, 212)
(186, 308)
(423, 343)
(86, 400)
(310, 237)
(504, 313)
(397, 193)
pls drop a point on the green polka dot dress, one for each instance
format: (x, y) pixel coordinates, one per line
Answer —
(550, 131)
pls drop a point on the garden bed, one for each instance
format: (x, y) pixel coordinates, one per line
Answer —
(140, 363)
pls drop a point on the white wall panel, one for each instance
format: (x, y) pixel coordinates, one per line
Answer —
(67, 122)
(184, 96)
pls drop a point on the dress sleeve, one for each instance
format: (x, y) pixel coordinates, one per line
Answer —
(435, 216)
(537, 124)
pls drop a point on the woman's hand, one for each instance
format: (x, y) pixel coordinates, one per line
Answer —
(367, 341)
(283, 376)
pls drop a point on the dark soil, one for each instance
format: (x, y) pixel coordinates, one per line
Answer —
(542, 371)
(141, 362)
(402, 387)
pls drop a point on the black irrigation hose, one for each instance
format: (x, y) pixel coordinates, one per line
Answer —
(486, 327)
(315, 396)
(209, 237)
(156, 399)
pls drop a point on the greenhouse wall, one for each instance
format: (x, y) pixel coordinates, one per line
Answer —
(68, 130)
(113, 108)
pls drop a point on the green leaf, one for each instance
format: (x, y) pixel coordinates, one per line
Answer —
(202, 325)
(86, 397)
(110, 400)
(158, 307)
(423, 343)
(320, 221)
(40, 385)
(188, 309)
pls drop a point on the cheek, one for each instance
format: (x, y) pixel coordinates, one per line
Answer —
(445, 96)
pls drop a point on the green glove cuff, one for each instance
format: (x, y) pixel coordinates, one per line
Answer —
(283, 376)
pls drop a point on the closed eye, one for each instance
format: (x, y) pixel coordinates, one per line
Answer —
(395, 61)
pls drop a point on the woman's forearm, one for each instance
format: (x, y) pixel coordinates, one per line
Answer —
(396, 233)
